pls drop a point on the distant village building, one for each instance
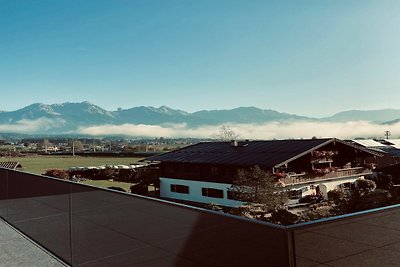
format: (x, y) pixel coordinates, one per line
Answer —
(390, 150)
(51, 149)
(204, 172)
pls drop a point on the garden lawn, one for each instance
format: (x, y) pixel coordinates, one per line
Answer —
(106, 183)
(39, 164)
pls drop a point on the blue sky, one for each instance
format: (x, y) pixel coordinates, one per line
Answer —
(311, 58)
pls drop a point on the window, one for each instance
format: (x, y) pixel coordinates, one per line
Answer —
(177, 188)
(211, 192)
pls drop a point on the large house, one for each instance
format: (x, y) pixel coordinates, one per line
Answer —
(204, 172)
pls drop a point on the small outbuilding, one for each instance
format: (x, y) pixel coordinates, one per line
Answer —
(12, 165)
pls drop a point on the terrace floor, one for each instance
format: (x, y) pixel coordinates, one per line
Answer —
(17, 250)
(371, 240)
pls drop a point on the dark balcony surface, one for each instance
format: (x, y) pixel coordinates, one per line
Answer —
(366, 240)
(16, 250)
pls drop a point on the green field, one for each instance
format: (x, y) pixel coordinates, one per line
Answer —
(105, 184)
(39, 164)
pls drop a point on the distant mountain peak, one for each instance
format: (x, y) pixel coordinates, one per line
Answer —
(38, 108)
(169, 110)
(81, 107)
(377, 116)
(75, 115)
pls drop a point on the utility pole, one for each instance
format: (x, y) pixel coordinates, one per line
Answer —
(73, 148)
(387, 134)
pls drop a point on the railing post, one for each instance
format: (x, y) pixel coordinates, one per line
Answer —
(291, 248)
(70, 224)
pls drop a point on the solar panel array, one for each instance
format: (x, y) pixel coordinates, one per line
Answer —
(391, 146)
(368, 143)
(395, 143)
(266, 154)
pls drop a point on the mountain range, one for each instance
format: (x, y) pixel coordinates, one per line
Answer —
(68, 117)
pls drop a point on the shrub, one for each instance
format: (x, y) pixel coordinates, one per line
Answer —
(311, 199)
(383, 180)
(57, 173)
(139, 189)
(284, 217)
(338, 195)
(395, 193)
(317, 211)
(372, 200)
(252, 211)
(365, 186)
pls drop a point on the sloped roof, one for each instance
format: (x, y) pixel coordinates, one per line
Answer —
(266, 154)
(368, 143)
(10, 165)
(394, 142)
(375, 151)
(390, 147)
(392, 151)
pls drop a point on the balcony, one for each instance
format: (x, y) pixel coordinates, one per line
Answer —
(88, 226)
(18, 250)
(292, 179)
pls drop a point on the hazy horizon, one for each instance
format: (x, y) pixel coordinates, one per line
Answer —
(271, 130)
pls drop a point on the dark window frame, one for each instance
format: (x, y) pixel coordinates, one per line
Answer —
(179, 188)
(212, 192)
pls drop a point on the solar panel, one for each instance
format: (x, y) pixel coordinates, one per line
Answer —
(368, 143)
(395, 142)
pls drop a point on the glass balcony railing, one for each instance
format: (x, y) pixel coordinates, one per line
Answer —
(88, 226)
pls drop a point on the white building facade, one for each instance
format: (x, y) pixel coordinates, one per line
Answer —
(220, 194)
(197, 191)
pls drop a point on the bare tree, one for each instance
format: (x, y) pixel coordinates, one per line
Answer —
(225, 133)
(257, 186)
(77, 145)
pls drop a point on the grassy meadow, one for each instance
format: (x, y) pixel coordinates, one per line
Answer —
(106, 183)
(39, 164)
